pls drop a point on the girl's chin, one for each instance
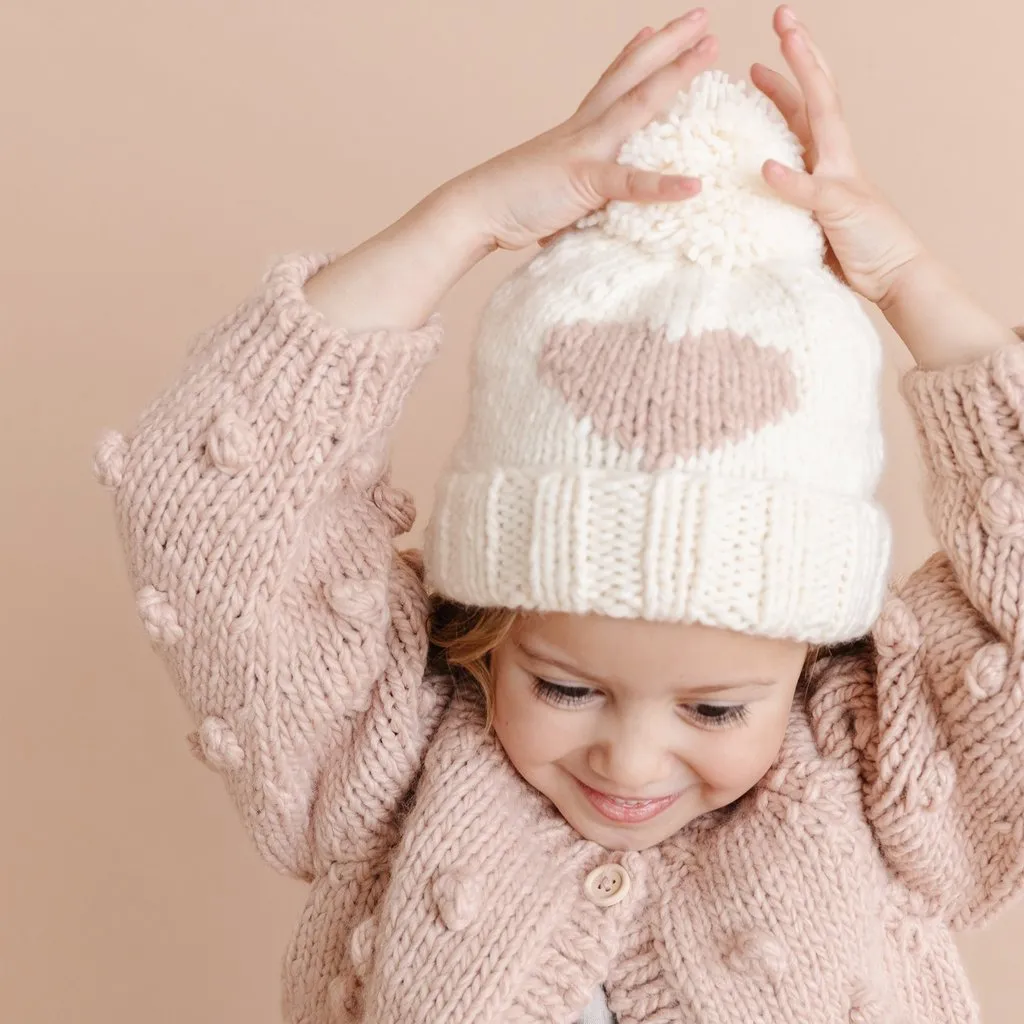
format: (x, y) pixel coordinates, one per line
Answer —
(612, 836)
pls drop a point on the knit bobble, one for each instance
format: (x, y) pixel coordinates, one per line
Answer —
(231, 443)
(903, 929)
(987, 672)
(364, 936)
(108, 459)
(865, 1008)
(897, 630)
(159, 618)
(937, 782)
(216, 745)
(397, 505)
(1001, 507)
(457, 897)
(359, 600)
(757, 950)
(363, 470)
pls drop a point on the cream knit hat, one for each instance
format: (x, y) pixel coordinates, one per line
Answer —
(675, 412)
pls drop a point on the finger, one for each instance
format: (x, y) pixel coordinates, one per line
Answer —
(645, 33)
(808, 191)
(548, 239)
(650, 97)
(787, 98)
(611, 181)
(819, 57)
(785, 21)
(828, 129)
(654, 51)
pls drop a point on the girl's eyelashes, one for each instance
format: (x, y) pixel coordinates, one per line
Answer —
(707, 716)
(562, 694)
(718, 716)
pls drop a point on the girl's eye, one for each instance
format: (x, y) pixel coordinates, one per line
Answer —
(718, 716)
(561, 694)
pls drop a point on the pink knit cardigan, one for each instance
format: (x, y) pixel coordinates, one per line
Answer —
(258, 523)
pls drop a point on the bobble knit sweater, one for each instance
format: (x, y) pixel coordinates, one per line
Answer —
(259, 523)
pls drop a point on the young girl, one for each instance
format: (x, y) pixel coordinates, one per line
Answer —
(650, 768)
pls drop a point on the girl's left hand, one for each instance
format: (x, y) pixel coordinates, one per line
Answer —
(870, 246)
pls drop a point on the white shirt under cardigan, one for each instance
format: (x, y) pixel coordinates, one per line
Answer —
(597, 1012)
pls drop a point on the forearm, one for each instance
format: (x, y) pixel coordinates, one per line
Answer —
(938, 321)
(398, 277)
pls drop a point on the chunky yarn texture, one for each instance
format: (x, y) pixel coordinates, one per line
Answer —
(258, 523)
(722, 132)
(674, 412)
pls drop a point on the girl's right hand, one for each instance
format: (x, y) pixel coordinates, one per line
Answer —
(541, 187)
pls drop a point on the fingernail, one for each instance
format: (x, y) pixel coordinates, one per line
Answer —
(705, 44)
(687, 186)
(788, 15)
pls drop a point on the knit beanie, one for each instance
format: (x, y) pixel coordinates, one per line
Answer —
(674, 412)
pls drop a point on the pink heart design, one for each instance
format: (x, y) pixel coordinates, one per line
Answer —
(670, 398)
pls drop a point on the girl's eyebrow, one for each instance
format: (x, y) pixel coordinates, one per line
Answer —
(706, 688)
(549, 659)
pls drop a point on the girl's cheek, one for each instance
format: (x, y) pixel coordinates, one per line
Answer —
(541, 737)
(736, 761)
(527, 728)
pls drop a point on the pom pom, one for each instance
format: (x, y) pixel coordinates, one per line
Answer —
(721, 132)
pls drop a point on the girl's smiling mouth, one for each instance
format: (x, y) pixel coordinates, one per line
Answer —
(625, 811)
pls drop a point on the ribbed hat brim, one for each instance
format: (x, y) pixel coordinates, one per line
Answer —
(762, 557)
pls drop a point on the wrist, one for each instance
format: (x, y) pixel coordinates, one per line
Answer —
(919, 275)
(938, 321)
(398, 277)
(453, 216)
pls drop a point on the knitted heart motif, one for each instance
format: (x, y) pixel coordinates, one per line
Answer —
(669, 398)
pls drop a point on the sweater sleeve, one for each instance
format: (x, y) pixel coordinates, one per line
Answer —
(940, 734)
(257, 521)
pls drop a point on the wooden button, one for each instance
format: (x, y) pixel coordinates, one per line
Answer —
(607, 885)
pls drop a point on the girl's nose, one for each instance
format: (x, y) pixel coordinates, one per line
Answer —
(632, 762)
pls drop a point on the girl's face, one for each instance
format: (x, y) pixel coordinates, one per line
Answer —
(632, 729)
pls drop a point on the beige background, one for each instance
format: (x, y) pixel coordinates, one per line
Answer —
(154, 159)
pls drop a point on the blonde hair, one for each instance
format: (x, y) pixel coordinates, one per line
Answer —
(463, 638)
